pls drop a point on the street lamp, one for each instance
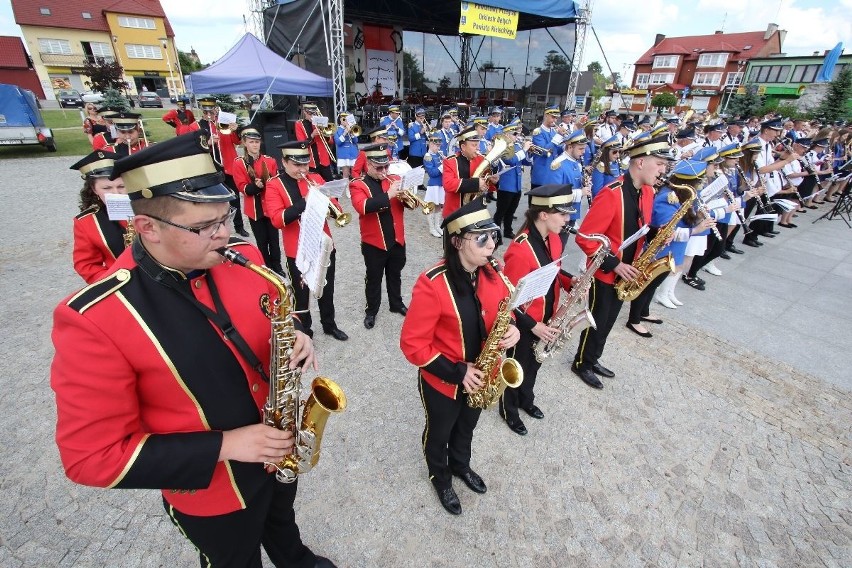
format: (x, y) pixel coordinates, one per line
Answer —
(549, 71)
(164, 43)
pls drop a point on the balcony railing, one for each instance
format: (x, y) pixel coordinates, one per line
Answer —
(73, 60)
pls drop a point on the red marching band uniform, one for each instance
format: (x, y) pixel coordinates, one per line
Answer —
(361, 163)
(100, 140)
(368, 218)
(252, 203)
(278, 206)
(458, 181)
(97, 243)
(188, 124)
(304, 130)
(520, 259)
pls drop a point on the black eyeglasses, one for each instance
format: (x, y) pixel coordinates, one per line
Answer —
(207, 231)
(481, 239)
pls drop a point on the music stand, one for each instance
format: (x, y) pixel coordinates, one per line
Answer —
(843, 207)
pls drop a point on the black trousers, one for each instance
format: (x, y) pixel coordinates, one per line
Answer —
(757, 227)
(267, 237)
(523, 396)
(323, 171)
(715, 247)
(239, 225)
(302, 296)
(641, 306)
(403, 154)
(448, 434)
(380, 263)
(507, 204)
(234, 539)
(605, 306)
(415, 161)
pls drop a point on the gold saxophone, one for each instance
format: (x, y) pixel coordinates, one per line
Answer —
(648, 266)
(572, 311)
(498, 372)
(129, 233)
(281, 410)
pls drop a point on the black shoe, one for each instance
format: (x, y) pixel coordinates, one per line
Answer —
(242, 233)
(449, 500)
(588, 377)
(725, 255)
(768, 235)
(401, 310)
(751, 243)
(599, 369)
(733, 249)
(700, 280)
(534, 411)
(472, 480)
(517, 427)
(637, 332)
(509, 235)
(323, 562)
(336, 333)
(773, 232)
(692, 282)
(369, 321)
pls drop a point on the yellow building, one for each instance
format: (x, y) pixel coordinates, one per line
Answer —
(62, 36)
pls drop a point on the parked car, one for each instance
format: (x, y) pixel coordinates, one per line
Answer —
(241, 101)
(70, 98)
(147, 99)
(92, 97)
(21, 122)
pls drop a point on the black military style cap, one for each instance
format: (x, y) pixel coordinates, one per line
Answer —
(553, 196)
(96, 164)
(297, 151)
(471, 217)
(180, 167)
(379, 131)
(126, 120)
(377, 153)
(657, 147)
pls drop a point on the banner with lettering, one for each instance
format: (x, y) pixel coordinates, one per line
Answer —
(485, 20)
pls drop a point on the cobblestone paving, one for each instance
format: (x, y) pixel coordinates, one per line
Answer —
(700, 452)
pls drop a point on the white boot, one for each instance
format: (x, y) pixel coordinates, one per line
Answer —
(711, 268)
(661, 296)
(435, 223)
(675, 277)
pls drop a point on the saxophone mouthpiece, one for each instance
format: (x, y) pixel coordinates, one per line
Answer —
(233, 256)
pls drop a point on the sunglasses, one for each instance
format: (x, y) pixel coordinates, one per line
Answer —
(381, 168)
(481, 239)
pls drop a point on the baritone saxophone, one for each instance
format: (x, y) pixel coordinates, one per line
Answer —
(282, 406)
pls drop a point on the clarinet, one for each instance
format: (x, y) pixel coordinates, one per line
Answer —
(731, 198)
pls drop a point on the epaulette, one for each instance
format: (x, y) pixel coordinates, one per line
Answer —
(427, 157)
(615, 184)
(91, 210)
(94, 293)
(600, 167)
(436, 271)
(521, 237)
(536, 132)
(235, 242)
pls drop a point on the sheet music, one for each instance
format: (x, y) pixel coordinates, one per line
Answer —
(350, 120)
(413, 177)
(785, 204)
(506, 170)
(815, 194)
(311, 236)
(226, 118)
(634, 237)
(334, 188)
(763, 217)
(320, 121)
(118, 206)
(719, 203)
(712, 190)
(535, 284)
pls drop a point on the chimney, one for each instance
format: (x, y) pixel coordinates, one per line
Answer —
(770, 29)
(659, 38)
(718, 32)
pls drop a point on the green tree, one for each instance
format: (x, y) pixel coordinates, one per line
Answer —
(554, 62)
(444, 85)
(835, 105)
(595, 93)
(104, 74)
(663, 100)
(412, 74)
(225, 103)
(114, 99)
(746, 105)
(188, 64)
(595, 67)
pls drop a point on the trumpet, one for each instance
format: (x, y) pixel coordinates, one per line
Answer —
(410, 200)
(355, 130)
(539, 151)
(326, 132)
(341, 219)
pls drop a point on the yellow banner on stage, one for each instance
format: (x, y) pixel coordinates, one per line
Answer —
(484, 20)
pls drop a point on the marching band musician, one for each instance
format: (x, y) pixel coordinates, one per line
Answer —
(673, 126)
(433, 162)
(377, 135)
(453, 306)
(702, 240)
(685, 145)
(480, 124)
(608, 167)
(181, 119)
(608, 129)
(494, 127)
(284, 202)
(591, 145)
(550, 140)
(447, 136)
(768, 166)
(223, 148)
(713, 135)
(129, 130)
(510, 183)
(107, 133)
(620, 210)
(751, 149)
(251, 172)
(175, 399)
(571, 172)
(98, 241)
(734, 133)
(455, 122)
(346, 146)
(458, 171)
(305, 130)
(375, 197)
(538, 243)
(418, 133)
(568, 117)
(787, 191)
(392, 122)
(625, 129)
(392, 139)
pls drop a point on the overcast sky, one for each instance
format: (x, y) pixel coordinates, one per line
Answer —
(626, 30)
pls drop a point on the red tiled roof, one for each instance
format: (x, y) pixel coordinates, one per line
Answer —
(12, 53)
(693, 46)
(68, 14)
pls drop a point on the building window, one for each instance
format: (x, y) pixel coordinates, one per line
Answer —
(87, 15)
(708, 79)
(763, 75)
(713, 60)
(804, 73)
(133, 22)
(55, 46)
(838, 69)
(733, 79)
(700, 103)
(100, 49)
(642, 80)
(44, 11)
(665, 61)
(778, 74)
(660, 78)
(143, 51)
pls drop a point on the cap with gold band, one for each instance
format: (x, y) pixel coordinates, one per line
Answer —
(393, 108)
(480, 120)
(471, 217)
(657, 147)
(753, 145)
(378, 132)
(435, 137)
(126, 120)
(556, 196)
(250, 133)
(377, 153)
(707, 154)
(576, 137)
(297, 151)
(207, 103)
(659, 130)
(468, 135)
(180, 167)
(689, 169)
(96, 164)
(731, 151)
(552, 109)
(310, 107)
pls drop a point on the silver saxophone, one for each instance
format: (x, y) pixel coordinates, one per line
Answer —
(572, 311)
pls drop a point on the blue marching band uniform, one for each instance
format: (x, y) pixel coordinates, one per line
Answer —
(549, 139)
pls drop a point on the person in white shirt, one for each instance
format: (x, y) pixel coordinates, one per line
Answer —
(767, 166)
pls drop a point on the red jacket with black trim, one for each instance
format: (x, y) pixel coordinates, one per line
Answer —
(457, 181)
(97, 243)
(431, 336)
(244, 180)
(520, 259)
(375, 210)
(318, 149)
(284, 208)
